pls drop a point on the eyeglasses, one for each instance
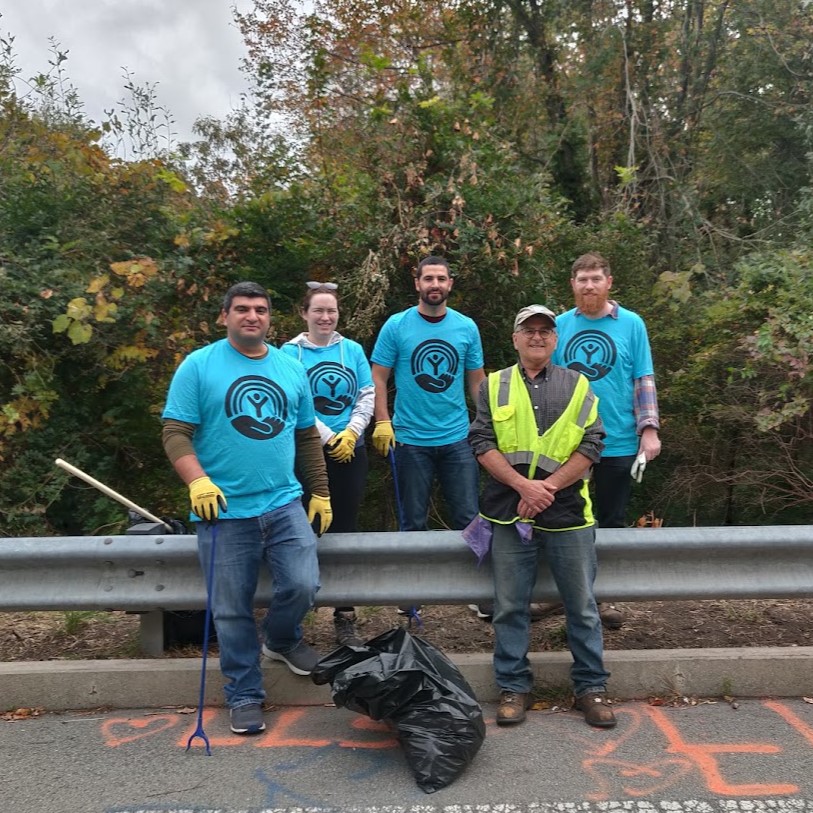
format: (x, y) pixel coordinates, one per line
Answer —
(331, 286)
(544, 332)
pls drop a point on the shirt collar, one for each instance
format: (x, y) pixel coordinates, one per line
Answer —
(613, 314)
(543, 373)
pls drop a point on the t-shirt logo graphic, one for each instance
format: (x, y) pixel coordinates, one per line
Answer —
(591, 353)
(334, 387)
(434, 365)
(256, 407)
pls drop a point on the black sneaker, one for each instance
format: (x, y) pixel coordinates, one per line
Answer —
(247, 719)
(345, 626)
(301, 660)
(484, 611)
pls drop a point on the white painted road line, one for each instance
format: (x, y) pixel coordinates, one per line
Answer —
(688, 806)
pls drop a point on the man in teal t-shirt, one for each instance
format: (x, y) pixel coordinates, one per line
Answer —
(238, 414)
(609, 345)
(436, 354)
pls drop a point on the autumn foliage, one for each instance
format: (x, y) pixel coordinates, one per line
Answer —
(509, 135)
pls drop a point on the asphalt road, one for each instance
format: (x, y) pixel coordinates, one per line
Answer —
(707, 758)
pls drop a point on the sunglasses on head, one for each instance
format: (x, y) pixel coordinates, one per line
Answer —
(331, 286)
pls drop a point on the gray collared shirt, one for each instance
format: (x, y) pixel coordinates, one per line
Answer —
(550, 392)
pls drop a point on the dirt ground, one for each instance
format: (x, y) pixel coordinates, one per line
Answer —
(653, 625)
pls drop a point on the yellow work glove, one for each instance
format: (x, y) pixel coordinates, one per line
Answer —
(320, 507)
(343, 446)
(383, 437)
(207, 499)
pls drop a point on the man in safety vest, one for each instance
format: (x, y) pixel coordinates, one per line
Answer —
(536, 433)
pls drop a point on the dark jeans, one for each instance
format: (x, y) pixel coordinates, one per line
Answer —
(612, 487)
(456, 470)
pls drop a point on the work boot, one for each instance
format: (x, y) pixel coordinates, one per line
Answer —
(611, 617)
(536, 611)
(597, 709)
(345, 626)
(540, 611)
(512, 707)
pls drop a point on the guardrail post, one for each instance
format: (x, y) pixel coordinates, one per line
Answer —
(151, 627)
(151, 633)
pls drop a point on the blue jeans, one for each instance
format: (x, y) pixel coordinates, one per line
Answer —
(571, 557)
(457, 471)
(283, 540)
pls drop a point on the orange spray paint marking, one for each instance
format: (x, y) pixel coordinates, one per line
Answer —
(366, 724)
(638, 779)
(601, 743)
(120, 730)
(702, 755)
(626, 732)
(278, 736)
(789, 717)
(208, 717)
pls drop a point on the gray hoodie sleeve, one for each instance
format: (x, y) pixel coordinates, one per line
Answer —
(362, 410)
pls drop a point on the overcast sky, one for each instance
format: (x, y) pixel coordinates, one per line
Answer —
(191, 48)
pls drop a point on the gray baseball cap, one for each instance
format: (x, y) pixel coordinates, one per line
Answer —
(534, 310)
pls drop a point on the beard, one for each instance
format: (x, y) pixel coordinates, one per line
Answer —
(591, 304)
(434, 298)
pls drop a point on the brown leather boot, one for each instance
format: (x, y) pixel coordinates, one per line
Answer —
(611, 617)
(512, 707)
(596, 709)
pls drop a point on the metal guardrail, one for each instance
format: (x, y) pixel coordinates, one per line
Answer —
(161, 572)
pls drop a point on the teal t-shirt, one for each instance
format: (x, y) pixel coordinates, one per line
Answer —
(429, 361)
(611, 353)
(245, 412)
(336, 374)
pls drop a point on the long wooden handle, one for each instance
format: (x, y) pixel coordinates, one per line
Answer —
(110, 493)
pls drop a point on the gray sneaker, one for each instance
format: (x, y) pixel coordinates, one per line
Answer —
(247, 719)
(301, 660)
(345, 626)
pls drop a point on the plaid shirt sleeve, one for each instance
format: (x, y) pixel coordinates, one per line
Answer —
(645, 403)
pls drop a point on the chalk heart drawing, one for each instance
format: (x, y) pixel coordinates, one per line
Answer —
(120, 730)
(637, 779)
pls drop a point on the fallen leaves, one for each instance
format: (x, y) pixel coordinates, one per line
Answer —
(679, 701)
(20, 714)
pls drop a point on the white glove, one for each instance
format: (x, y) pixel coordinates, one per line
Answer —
(638, 466)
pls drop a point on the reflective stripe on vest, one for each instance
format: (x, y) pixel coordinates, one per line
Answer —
(515, 427)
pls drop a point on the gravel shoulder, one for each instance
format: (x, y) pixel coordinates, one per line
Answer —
(39, 636)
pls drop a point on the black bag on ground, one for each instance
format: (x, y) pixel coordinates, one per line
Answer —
(405, 680)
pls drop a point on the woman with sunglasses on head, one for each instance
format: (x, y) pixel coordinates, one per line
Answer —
(343, 396)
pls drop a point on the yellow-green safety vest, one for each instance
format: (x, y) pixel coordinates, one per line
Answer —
(515, 424)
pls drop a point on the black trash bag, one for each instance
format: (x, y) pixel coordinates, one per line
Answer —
(404, 680)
